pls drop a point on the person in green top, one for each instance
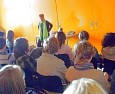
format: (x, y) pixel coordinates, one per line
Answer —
(44, 27)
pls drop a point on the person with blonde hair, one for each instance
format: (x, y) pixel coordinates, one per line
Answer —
(48, 64)
(84, 86)
(83, 67)
(84, 36)
(11, 80)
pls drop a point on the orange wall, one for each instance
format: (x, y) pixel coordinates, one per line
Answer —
(95, 16)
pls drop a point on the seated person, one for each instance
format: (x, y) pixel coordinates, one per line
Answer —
(11, 80)
(65, 58)
(26, 62)
(84, 36)
(108, 53)
(48, 64)
(84, 86)
(82, 66)
(63, 48)
(5, 57)
(10, 40)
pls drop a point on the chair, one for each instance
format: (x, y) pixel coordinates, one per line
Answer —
(109, 66)
(49, 83)
(112, 88)
(65, 58)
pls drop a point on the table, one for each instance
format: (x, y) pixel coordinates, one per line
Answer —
(69, 36)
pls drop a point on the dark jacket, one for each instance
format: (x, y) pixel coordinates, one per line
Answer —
(49, 25)
(112, 89)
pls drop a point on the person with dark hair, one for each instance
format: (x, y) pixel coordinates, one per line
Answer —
(108, 53)
(83, 35)
(10, 40)
(44, 27)
(26, 62)
(5, 57)
(64, 52)
(63, 48)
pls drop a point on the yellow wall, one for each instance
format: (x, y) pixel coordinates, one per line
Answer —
(95, 16)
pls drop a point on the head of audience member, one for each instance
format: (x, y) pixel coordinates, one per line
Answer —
(21, 47)
(83, 35)
(61, 37)
(84, 86)
(41, 17)
(11, 80)
(84, 52)
(51, 45)
(10, 35)
(109, 40)
(2, 44)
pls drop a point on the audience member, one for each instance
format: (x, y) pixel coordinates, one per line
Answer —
(63, 48)
(5, 57)
(11, 80)
(26, 62)
(9, 40)
(1, 34)
(48, 64)
(108, 53)
(84, 36)
(82, 66)
(84, 86)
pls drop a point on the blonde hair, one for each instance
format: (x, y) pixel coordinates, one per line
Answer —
(84, 51)
(51, 45)
(11, 80)
(84, 86)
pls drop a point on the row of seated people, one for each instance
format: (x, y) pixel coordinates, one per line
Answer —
(49, 65)
(12, 82)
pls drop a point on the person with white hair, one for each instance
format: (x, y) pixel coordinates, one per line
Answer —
(84, 86)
